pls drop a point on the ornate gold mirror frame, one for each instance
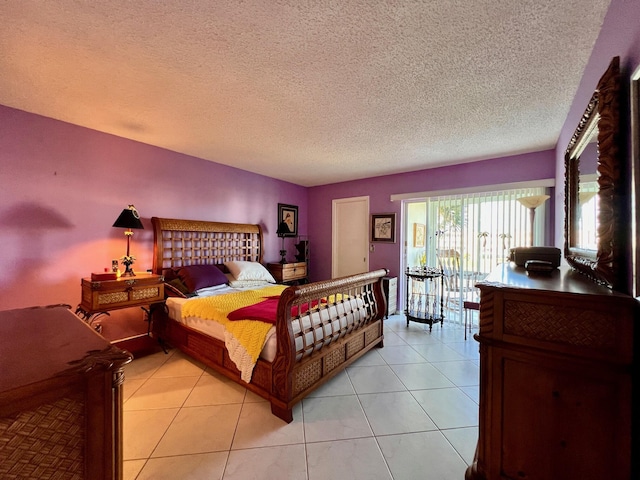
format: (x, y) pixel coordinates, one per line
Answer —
(607, 264)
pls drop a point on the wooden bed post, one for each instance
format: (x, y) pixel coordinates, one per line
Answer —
(282, 370)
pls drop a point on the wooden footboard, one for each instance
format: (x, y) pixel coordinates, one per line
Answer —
(343, 322)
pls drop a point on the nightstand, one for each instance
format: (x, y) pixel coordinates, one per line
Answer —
(100, 297)
(288, 272)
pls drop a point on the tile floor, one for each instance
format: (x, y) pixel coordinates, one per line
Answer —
(406, 411)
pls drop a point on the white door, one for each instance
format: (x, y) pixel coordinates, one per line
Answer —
(350, 239)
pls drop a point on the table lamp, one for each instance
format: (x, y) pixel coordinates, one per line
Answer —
(129, 218)
(283, 230)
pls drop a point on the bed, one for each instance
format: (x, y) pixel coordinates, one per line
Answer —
(318, 328)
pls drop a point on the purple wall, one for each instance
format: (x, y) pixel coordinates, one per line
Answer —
(532, 166)
(619, 36)
(63, 186)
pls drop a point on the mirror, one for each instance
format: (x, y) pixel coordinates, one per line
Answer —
(587, 231)
(595, 217)
(588, 214)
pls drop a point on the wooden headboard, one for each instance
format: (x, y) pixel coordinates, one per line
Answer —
(178, 243)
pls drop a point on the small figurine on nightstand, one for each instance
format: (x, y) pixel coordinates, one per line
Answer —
(127, 261)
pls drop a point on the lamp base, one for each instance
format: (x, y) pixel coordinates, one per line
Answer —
(283, 254)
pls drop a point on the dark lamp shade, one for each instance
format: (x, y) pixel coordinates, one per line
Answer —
(129, 218)
(283, 229)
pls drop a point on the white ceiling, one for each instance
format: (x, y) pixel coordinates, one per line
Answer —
(309, 92)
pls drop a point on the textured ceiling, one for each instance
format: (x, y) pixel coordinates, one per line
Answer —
(308, 92)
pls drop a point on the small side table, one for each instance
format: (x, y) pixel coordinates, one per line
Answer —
(424, 302)
(100, 297)
(288, 272)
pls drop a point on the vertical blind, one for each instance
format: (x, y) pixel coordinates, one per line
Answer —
(480, 228)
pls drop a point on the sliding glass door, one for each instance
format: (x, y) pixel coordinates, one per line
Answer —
(467, 235)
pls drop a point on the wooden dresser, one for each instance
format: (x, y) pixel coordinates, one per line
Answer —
(556, 358)
(60, 397)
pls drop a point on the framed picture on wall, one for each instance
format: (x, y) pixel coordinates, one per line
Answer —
(288, 215)
(419, 232)
(383, 227)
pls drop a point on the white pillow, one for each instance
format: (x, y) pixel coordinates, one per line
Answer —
(249, 271)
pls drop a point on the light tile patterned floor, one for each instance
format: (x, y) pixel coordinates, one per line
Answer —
(406, 411)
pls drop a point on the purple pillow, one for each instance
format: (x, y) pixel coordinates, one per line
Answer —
(196, 277)
(170, 274)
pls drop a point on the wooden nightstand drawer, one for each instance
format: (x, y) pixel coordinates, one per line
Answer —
(294, 271)
(99, 296)
(288, 272)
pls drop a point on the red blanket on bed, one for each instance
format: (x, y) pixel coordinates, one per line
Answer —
(267, 310)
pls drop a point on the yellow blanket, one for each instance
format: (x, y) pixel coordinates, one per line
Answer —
(244, 339)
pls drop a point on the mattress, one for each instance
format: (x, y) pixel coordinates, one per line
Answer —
(326, 324)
